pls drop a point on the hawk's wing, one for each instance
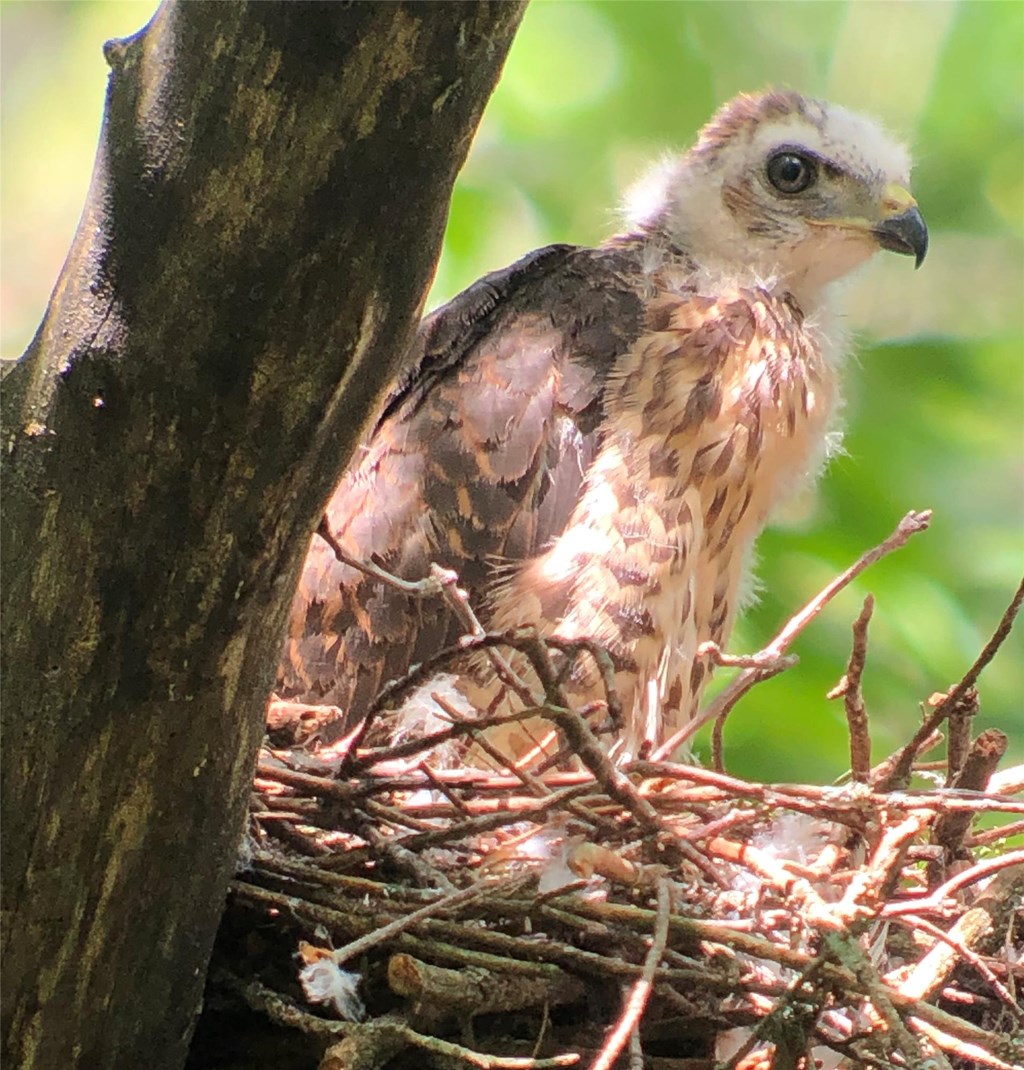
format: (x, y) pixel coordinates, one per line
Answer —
(477, 458)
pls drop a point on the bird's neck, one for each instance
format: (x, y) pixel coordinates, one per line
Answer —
(666, 264)
(700, 243)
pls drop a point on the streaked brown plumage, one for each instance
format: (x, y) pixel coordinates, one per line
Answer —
(593, 438)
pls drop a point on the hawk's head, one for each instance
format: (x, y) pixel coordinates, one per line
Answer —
(781, 186)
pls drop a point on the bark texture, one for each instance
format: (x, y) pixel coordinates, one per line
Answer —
(265, 214)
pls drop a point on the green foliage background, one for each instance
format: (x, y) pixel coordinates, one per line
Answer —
(935, 400)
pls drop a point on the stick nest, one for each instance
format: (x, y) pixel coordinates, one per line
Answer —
(654, 914)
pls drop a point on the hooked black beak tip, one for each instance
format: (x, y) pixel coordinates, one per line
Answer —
(905, 233)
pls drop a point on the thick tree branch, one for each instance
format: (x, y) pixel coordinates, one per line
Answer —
(265, 214)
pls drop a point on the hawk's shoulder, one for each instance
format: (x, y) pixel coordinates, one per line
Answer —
(590, 295)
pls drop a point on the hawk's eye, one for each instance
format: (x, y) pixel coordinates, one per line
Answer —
(789, 172)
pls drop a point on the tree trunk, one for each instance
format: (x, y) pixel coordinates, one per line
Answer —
(265, 214)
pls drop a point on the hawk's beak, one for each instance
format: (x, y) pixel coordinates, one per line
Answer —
(902, 228)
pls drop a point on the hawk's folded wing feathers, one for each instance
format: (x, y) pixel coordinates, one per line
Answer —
(478, 456)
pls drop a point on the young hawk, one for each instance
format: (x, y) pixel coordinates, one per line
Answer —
(593, 437)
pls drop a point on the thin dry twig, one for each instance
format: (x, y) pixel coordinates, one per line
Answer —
(947, 891)
(849, 687)
(994, 835)
(641, 991)
(440, 906)
(605, 667)
(873, 883)
(951, 949)
(428, 587)
(899, 776)
(458, 601)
